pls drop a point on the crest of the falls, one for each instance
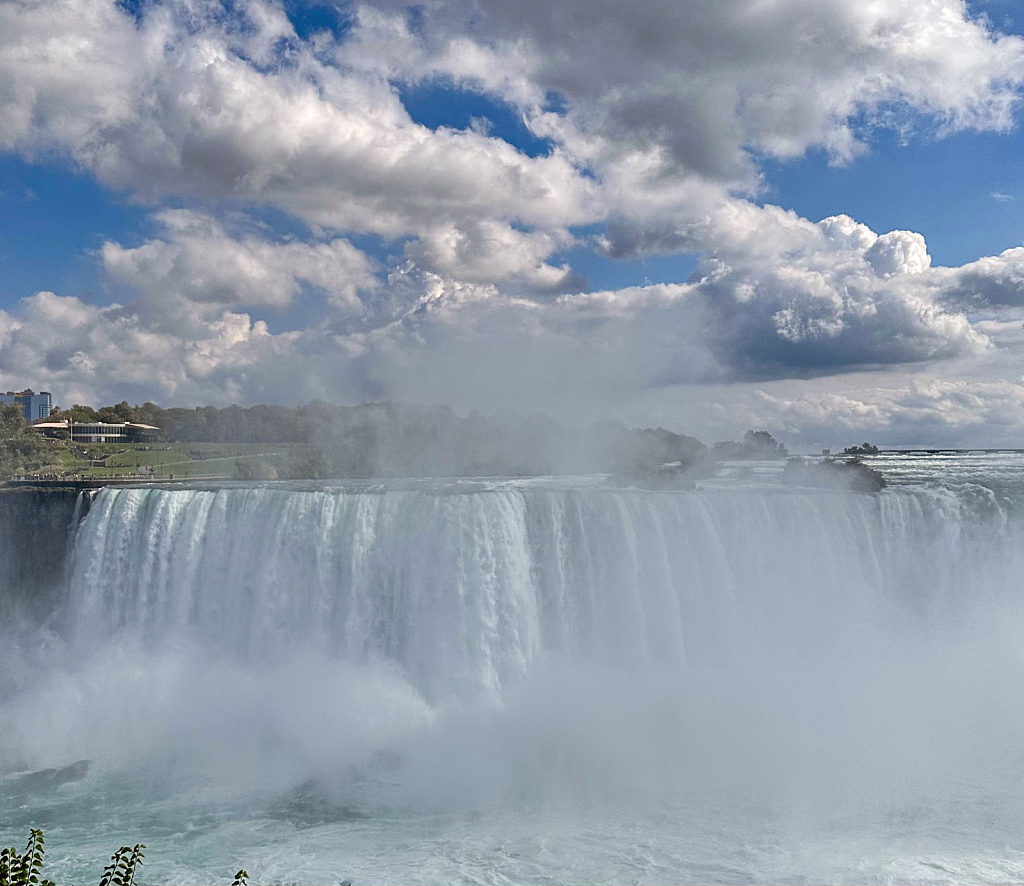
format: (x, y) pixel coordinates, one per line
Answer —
(466, 591)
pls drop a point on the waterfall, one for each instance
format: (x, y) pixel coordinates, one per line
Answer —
(466, 591)
(532, 680)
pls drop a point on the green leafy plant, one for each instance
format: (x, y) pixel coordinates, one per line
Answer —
(25, 868)
(123, 863)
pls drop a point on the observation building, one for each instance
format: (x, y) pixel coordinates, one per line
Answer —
(100, 431)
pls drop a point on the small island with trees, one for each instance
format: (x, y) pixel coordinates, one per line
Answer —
(830, 473)
(863, 449)
(755, 446)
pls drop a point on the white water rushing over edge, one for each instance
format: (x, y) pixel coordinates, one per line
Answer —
(696, 686)
(465, 591)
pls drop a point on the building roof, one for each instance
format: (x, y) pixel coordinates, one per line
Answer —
(96, 424)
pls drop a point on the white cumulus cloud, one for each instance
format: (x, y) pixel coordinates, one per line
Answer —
(198, 260)
(657, 115)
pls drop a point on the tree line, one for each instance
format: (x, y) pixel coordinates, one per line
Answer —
(393, 439)
(400, 439)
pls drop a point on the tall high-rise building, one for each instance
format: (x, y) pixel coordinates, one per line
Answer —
(35, 406)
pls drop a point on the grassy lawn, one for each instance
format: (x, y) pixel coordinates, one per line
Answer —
(138, 456)
(182, 460)
(230, 450)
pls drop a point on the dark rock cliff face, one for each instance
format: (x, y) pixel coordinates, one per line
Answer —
(36, 526)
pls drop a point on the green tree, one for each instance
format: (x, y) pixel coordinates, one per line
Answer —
(120, 412)
(77, 412)
(763, 445)
(22, 450)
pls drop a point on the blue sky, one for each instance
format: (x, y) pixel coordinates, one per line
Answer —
(54, 218)
(952, 189)
(324, 199)
(964, 192)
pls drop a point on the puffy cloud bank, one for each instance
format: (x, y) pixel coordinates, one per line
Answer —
(198, 261)
(655, 117)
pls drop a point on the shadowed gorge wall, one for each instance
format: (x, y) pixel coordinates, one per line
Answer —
(35, 538)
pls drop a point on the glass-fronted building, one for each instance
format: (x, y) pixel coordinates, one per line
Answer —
(107, 432)
(35, 406)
